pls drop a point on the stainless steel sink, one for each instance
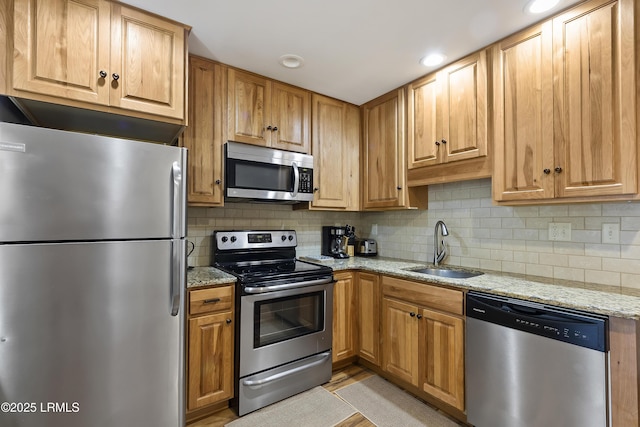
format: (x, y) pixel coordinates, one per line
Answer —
(447, 272)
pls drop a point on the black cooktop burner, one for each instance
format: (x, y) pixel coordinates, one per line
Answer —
(274, 270)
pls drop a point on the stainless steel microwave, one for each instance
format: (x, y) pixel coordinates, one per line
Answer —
(254, 173)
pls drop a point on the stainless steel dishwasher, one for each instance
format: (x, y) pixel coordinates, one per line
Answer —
(532, 365)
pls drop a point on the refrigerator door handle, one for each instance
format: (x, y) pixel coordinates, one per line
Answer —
(178, 274)
(178, 201)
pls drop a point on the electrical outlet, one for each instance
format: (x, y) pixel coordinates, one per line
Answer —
(560, 231)
(374, 229)
(611, 233)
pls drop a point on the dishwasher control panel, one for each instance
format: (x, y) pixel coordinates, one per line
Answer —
(571, 326)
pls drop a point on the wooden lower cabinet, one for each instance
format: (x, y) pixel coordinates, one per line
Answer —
(423, 338)
(442, 356)
(210, 347)
(344, 309)
(400, 340)
(368, 324)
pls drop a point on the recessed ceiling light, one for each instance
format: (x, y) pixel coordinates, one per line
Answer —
(539, 6)
(433, 59)
(291, 61)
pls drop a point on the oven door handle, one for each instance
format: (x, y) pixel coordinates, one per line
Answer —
(286, 286)
(259, 383)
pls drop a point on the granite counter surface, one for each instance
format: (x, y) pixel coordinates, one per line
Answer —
(612, 301)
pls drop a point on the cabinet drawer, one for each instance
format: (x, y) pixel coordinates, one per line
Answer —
(210, 300)
(425, 295)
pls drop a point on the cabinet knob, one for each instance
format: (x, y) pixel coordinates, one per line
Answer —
(115, 76)
(275, 128)
(399, 188)
(444, 141)
(419, 316)
(547, 171)
(269, 127)
(103, 74)
(437, 142)
(218, 182)
(412, 314)
(315, 189)
(228, 321)
(558, 169)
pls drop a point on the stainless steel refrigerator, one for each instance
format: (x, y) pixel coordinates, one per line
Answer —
(92, 280)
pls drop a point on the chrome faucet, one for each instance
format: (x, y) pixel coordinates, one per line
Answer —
(439, 248)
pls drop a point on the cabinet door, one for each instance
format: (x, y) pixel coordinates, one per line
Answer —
(204, 136)
(368, 289)
(423, 138)
(60, 48)
(249, 108)
(4, 38)
(595, 99)
(344, 316)
(523, 120)
(383, 151)
(148, 59)
(400, 340)
(290, 114)
(210, 360)
(335, 148)
(464, 108)
(442, 357)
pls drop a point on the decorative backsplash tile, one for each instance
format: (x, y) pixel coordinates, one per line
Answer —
(482, 235)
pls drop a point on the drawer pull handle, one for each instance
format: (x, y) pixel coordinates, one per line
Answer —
(211, 301)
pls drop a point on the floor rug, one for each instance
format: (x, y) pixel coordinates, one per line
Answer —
(313, 408)
(386, 405)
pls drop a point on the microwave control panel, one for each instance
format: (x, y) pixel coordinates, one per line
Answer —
(306, 180)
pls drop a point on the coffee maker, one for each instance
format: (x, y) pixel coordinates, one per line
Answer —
(334, 242)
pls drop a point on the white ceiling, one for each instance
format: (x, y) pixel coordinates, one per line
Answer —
(354, 50)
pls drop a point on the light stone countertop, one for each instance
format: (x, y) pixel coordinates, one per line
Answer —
(612, 301)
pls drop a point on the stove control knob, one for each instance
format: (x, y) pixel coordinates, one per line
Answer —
(290, 238)
(224, 239)
(284, 237)
(233, 239)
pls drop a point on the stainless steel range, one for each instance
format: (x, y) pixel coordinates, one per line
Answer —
(283, 316)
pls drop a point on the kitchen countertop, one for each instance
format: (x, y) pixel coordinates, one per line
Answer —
(612, 301)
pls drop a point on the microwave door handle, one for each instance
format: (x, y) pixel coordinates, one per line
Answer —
(296, 179)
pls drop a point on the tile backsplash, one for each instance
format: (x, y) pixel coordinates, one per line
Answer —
(481, 235)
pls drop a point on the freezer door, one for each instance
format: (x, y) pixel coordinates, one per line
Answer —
(87, 335)
(64, 186)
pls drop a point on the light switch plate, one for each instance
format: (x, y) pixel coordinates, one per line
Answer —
(374, 229)
(611, 233)
(560, 231)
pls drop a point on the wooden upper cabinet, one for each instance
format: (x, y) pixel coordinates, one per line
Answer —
(595, 99)
(565, 103)
(464, 108)
(335, 148)
(98, 54)
(290, 117)
(447, 114)
(60, 48)
(523, 115)
(383, 178)
(424, 124)
(204, 137)
(266, 113)
(249, 108)
(148, 55)
(3, 47)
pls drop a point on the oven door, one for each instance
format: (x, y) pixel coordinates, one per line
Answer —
(285, 325)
